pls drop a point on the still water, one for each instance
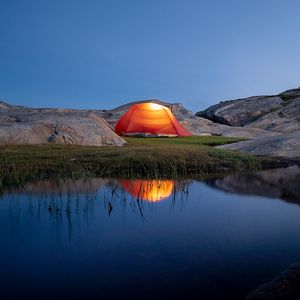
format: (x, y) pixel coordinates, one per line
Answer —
(138, 239)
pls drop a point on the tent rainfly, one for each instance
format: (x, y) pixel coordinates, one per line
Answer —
(149, 119)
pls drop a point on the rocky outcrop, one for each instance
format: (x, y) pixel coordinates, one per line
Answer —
(242, 111)
(5, 106)
(290, 94)
(284, 120)
(202, 126)
(39, 126)
(276, 113)
(283, 145)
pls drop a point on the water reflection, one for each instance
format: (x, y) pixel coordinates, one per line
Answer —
(279, 183)
(76, 198)
(113, 239)
(149, 190)
(66, 197)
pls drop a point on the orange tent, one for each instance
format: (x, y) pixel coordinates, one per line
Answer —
(150, 119)
(149, 190)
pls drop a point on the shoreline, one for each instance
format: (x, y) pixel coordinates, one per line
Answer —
(191, 157)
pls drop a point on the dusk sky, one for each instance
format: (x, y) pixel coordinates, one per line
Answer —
(101, 54)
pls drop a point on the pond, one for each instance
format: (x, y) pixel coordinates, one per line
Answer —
(133, 239)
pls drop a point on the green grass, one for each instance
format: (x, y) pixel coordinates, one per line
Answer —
(141, 157)
(189, 140)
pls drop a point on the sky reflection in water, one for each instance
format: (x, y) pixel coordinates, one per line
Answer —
(107, 238)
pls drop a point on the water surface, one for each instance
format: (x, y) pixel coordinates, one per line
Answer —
(113, 239)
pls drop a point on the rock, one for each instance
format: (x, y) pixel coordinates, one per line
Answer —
(284, 120)
(242, 111)
(285, 287)
(279, 113)
(5, 106)
(282, 145)
(201, 126)
(39, 126)
(290, 94)
(7, 118)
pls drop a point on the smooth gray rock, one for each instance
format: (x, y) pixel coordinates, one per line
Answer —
(5, 106)
(283, 145)
(242, 111)
(271, 113)
(283, 120)
(279, 115)
(290, 94)
(20, 125)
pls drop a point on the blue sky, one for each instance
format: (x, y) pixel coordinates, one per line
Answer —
(100, 54)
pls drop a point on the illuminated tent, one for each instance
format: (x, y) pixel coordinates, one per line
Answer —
(149, 190)
(150, 119)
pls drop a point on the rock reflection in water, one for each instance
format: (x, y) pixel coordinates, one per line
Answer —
(279, 183)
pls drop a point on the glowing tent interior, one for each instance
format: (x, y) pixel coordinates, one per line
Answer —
(150, 119)
(148, 190)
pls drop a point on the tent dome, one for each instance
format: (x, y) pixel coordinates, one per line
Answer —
(150, 119)
(149, 190)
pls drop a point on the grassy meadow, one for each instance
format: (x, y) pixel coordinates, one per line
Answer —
(141, 157)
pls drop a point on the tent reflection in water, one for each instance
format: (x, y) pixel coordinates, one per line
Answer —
(149, 190)
(150, 119)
